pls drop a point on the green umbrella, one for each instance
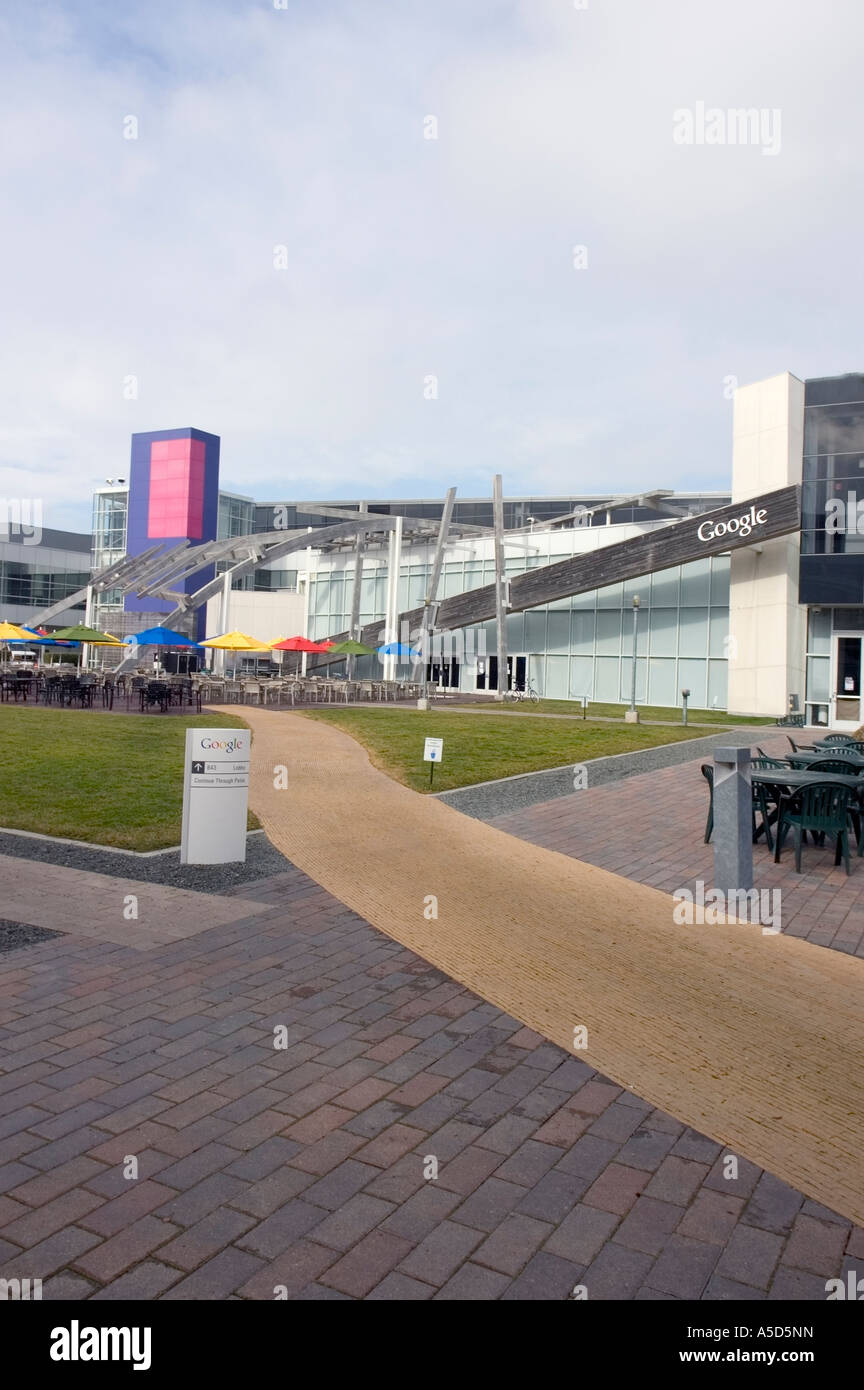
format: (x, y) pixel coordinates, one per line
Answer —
(350, 648)
(86, 634)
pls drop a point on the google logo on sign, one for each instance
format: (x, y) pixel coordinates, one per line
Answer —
(742, 525)
(231, 745)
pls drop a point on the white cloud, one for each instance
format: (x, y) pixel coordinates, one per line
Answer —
(304, 128)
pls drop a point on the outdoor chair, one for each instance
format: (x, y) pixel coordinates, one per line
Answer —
(823, 810)
(764, 763)
(834, 765)
(759, 801)
(838, 738)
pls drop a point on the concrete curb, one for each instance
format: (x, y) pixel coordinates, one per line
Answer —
(486, 800)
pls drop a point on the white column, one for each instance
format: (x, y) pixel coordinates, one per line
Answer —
(766, 624)
(391, 622)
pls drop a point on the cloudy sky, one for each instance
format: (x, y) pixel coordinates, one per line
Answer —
(283, 257)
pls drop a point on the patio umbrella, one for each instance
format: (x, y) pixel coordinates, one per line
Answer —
(81, 633)
(160, 637)
(399, 649)
(10, 632)
(300, 644)
(351, 648)
(235, 642)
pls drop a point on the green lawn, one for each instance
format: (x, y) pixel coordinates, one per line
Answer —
(115, 779)
(658, 712)
(481, 747)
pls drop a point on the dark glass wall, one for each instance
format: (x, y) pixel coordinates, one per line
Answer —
(832, 554)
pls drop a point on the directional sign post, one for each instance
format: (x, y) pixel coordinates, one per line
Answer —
(215, 796)
(433, 752)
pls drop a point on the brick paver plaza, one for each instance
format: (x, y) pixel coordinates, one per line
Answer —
(283, 1081)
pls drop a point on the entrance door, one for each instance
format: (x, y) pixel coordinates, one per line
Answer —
(516, 670)
(846, 700)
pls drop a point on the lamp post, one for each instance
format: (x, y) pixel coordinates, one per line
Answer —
(632, 715)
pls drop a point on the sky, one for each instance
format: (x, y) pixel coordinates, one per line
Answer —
(230, 214)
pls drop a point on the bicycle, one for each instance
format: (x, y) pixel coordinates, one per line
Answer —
(528, 693)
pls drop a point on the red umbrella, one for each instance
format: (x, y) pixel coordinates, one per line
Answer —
(300, 644)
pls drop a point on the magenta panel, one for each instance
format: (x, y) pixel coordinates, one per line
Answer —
(176, 494)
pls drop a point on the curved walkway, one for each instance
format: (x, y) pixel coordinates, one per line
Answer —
(756, 1041)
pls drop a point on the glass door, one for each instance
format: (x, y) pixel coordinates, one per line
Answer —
(847, 685)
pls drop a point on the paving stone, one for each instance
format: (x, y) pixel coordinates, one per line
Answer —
(219, 1277)
(366, 1264)
(616, 1189)
(677, 1180)
(290, 1272)
(616, 1273)
(341, 1184)
(441, 1253)
(552, 1197)
(750, 1256)
(200, 1242)
(398, 1288)
(128, 1247)
(473, 1282)
(528, 1163)
(422, 1212)
(147, 1280)
(773, 1206)
(344, 1227)
(487, 1207)
(712, 1216)
(545, 1277)
(648, 1226)
(509, 1248)
(814, 1246)
(684, 1267)
(582, 1234)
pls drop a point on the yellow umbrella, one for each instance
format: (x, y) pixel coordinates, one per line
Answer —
(235, 642)
(10, 633)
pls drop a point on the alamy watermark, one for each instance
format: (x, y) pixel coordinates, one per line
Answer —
(711, 125)
(760, 906)
(21, 516)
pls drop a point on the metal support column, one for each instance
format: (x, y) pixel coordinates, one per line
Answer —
(500, 582)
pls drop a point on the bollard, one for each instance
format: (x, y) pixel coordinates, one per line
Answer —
(733, 820)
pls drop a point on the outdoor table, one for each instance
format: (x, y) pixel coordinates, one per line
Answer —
(795, 778)
(803, 760)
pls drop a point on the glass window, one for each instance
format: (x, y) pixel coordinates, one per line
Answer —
(661, 682)
(582, 632)
(693, 632)
(819, 631)
(818, 677)
(664, 631)
(694, 583)
(608, 636)
(664, 588)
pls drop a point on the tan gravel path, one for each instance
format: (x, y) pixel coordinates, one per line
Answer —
(757, 1041)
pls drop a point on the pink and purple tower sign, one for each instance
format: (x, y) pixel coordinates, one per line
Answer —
(173, 496)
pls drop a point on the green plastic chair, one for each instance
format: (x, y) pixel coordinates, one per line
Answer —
(822, 809)
(760, 803)
(834, 765)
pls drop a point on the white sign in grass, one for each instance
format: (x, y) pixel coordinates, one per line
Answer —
(433, 750)
(215, 796)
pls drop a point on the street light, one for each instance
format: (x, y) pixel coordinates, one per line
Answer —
(635, 631)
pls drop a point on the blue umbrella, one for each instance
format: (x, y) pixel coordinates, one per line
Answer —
(160, 637)
(39, 640)
(398, 649)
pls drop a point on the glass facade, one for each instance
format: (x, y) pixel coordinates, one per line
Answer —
(236, 516)
(578, 646)
(519, 512)
(832, 496)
